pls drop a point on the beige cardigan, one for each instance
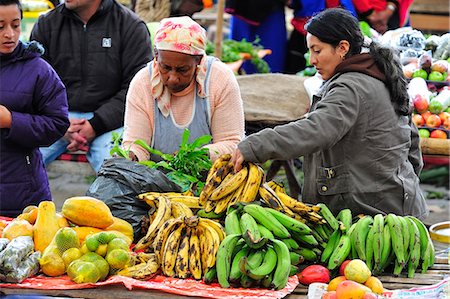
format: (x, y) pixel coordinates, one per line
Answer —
(227, 114)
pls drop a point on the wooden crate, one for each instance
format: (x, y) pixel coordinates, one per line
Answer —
(430, 15)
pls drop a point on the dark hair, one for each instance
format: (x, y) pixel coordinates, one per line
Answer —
(12, 2)
(336, 24)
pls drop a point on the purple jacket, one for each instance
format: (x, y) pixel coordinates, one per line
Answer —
(36, 97)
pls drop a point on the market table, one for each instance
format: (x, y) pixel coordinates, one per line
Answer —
(434, 275)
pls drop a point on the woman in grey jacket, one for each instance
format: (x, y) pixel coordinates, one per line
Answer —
(361, 150)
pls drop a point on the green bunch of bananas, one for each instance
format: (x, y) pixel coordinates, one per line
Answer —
(379, 241)
(401, 240)
(262, 248)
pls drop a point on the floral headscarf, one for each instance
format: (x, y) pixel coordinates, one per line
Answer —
(183, 35)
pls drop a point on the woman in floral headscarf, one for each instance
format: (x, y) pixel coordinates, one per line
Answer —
(183, 88)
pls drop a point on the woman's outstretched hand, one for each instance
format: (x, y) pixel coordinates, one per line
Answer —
(237, 159)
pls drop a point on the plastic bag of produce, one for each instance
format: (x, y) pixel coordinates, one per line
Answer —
(28, 267)
(3, 243)
(14, 252)
(118, 183)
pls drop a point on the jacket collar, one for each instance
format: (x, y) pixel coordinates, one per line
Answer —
(105, 6)
(23, 51)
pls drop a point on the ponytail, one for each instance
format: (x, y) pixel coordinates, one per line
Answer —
(389, 63)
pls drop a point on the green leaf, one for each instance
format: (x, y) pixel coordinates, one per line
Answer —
(202, 140)
(185, 138)
(148, 163)
(152, 150)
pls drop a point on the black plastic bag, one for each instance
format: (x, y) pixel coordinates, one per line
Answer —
(118, 183)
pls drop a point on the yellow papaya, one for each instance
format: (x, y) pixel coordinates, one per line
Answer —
(87, 211)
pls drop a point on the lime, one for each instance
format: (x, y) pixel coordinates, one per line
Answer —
(118, 258)
(70, 255)
(117, 243)
(92, 243)
(99, 262)
(105, 237)
(66, 238)
(83, 272)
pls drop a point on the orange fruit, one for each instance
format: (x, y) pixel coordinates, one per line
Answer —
(335, 282)
(374, 284)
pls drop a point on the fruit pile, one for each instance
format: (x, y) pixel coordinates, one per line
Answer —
(354, 281)
(431, 110)
(427, 69)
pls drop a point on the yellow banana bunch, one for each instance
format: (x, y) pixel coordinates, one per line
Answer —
(187, 246)
(145, 269)
(225, 188)
(163, 213)
(162, 208)
(186, 198)
(275, 195)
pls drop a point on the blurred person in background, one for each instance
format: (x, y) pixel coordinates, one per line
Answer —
(96, 47)
(182, 88)
(33, 113)
(263, 19)
(303, 11)
(384, 15)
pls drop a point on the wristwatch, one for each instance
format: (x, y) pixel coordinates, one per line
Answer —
(391, 7)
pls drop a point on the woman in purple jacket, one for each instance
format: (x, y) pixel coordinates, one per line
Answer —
(33, 113)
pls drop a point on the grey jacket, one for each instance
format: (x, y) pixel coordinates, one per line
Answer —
(358, 153)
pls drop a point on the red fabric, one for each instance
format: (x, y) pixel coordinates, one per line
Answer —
(73, 157)
(186, 287)
(332, 3)
(362, 6)
(299, 24)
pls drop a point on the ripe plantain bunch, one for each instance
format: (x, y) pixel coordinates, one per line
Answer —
(224, 188)
(275, 196)
(262, 248)
(380, 241)
(187, 246)
(163, 206)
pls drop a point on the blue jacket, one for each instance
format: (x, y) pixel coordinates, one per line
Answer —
(36, 97)
(308, 8)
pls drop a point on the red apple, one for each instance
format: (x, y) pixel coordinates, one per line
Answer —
(446, 124)
(443, 116)
(420, 103)
(425, 115)
(418, 120)
(342, 267)
(440, 66)
(438, 134)
(433, 121)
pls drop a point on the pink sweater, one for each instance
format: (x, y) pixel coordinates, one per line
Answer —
(227, 113)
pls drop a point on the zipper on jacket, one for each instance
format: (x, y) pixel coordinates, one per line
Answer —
(28, 159)
(83, 56)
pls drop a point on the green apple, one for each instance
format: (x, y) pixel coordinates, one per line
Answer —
(424, 133)
(436, 76)
(435, 107)
(420, 73)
